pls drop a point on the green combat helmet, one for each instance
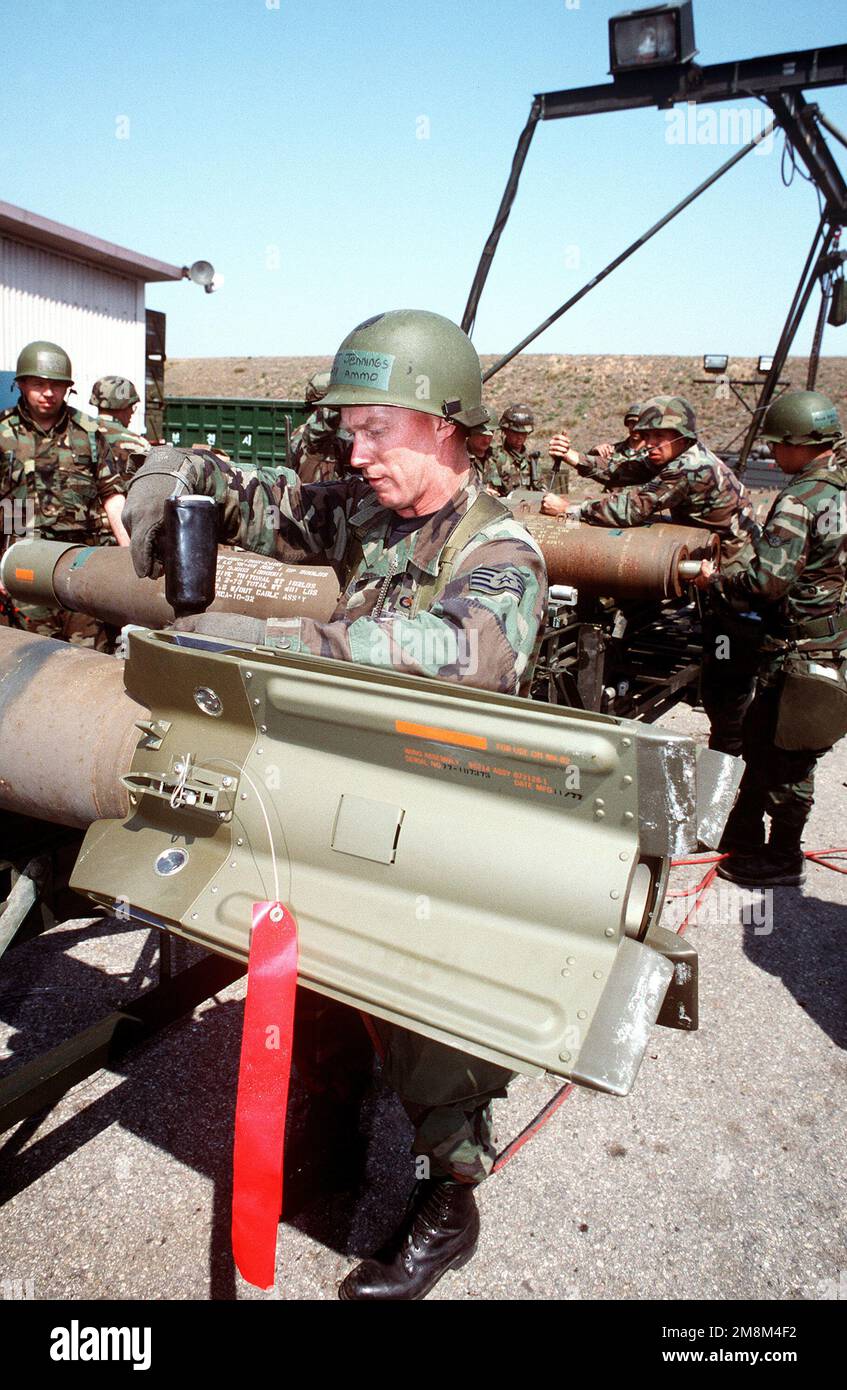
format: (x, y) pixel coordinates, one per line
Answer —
(113, 393)
(668, 413)
(411, 358)
(317, 387)
(518, 418)
(801, 417)
(633, 412)
(45, 360)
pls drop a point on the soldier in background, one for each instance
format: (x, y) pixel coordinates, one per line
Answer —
(60, 473)
(480, 449)
(511, 465)
(696, 488)
(320, 448)
(439, 580)
(611, 465)
(115, 398)
(796, 572)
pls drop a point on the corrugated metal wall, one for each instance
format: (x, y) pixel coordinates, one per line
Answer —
(96, 315)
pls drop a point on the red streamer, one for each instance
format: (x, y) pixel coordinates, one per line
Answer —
(263, 1091)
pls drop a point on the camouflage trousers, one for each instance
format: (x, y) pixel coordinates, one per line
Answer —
(446, 1093)
(77, 628)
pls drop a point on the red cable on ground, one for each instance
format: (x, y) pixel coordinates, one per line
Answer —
(821, 856)
(703, 886)
(709, 875)
(533, 1127)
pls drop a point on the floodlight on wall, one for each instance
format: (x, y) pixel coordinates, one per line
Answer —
(203, 273)
(715, 362)
(764, 365)
(659, 37)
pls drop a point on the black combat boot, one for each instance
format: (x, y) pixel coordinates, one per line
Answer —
(764, 870)
(441, 1233)
(780, 864)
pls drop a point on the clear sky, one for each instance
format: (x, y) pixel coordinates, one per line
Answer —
(339, 157)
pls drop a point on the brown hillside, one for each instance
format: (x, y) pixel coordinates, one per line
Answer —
(585, 396)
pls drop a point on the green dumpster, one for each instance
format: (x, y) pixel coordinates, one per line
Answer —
(254, 433)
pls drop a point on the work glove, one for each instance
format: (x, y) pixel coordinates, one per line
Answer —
(144, 513)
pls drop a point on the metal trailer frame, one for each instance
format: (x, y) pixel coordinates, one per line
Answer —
(33, 883)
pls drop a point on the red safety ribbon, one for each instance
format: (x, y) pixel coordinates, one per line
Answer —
(263, 1091)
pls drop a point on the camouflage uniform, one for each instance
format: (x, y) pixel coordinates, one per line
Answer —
(481, 630)
(112, 393)
(698, 489)
(797, 575)
(625, 466)
(60, 478)
(320, 448)
(483, 467)
(127, 450)
(508, 468)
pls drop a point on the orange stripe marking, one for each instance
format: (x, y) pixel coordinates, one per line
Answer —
(440, 735)
(25, 575)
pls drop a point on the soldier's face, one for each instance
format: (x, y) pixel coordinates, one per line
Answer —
(793, 458)
(399, 452)
(514, 440)
(664, 445)
(478, 444)
(44, 398)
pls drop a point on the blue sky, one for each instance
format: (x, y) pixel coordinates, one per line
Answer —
(283, 142)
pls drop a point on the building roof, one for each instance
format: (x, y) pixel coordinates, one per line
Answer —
(67, 241)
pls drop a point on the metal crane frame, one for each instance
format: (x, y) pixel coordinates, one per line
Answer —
(779, 80)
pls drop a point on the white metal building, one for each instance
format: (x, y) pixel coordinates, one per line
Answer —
(76, 290)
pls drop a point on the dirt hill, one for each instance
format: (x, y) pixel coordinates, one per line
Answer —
(586, 396)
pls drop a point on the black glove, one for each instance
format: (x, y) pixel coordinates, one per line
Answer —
(144, 512)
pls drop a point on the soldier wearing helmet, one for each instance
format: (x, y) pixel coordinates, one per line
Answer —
(60, 477)
(695, 488)
(320, 448)
(115, 398)
(480, 448)
(437, 580)
(510, 465)
(611, 465)
(796, 574)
